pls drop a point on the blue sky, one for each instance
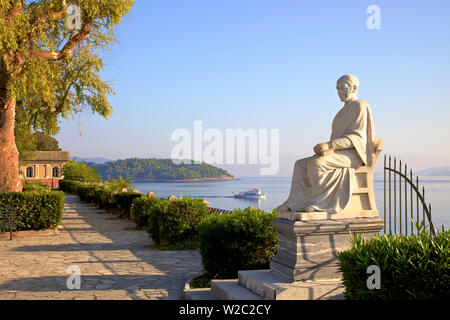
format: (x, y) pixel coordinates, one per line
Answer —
(273, 65)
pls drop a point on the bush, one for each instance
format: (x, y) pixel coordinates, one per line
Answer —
(78, 171)
(69, 186)
(108, 195)
(104, 199)
(143, 208)
(124, 200)
(172, 222)
(36, 186)
(35, 210)
(87, 192)
(242, 240)
(412, 267)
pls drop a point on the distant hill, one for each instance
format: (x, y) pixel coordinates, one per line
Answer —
(158, 170)
(94, 160)
(436, 172)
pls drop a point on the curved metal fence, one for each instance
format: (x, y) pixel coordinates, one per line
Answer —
(404, 201)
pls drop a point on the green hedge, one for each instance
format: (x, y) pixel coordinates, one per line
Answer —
(143, 208)
(35, 210)
(69, 186)
(124, 200)
(171, 222)
(242, 240)
(36, 186)
(411, 267)
(104, 196)
(104, 199)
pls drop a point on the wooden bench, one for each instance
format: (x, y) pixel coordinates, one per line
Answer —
(8, 220)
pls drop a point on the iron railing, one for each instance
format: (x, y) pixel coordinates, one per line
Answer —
(396, 222)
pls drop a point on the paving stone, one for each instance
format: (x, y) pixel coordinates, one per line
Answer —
(116, 261)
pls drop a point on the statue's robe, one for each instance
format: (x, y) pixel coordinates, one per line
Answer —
(325, 183)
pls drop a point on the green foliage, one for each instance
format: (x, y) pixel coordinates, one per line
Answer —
(36, 186)
(157, 170)
(242, 240)
(124, 201)
(105, 195)
(44, 142)
(87, 192)
(143, 208)
(78, 171)
(203, 281)
(119, 184)
(69, 186)
(25, 139)
(35, 210)
(104, 199)
(415, 267)
(53, 70)
(171, 222)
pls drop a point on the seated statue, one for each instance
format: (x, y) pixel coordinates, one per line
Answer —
(325, 181)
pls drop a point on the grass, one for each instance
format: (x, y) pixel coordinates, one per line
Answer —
(203, 281)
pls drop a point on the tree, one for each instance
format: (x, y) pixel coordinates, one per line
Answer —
(80, 171)
(51, 66)
(44, 142)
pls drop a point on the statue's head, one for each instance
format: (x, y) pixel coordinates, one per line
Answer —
(347, 87)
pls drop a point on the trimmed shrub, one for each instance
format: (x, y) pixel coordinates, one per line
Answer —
(143, 209)
(124, 200)
(69, 186)
(36, 186)
(173, 222)
(411, 267)
(104, 199)
(35, 210)
(87, 192)
(242, 240)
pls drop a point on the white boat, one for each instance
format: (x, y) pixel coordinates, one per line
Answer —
(255, 193)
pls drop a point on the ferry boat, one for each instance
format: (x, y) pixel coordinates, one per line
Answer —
(255, 193)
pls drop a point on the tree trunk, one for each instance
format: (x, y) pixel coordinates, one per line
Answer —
(9, 156)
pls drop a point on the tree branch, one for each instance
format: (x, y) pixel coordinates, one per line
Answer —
(15, 11)
(68, 48)
(42, 21)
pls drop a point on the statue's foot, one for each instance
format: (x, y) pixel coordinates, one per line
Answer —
(283, 207)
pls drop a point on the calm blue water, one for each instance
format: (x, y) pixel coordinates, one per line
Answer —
(220, 193)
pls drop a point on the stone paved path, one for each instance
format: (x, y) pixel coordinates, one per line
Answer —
(115, 260)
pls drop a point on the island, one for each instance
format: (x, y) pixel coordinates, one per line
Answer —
(159, 170)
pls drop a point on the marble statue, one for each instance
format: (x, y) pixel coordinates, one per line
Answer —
(325, 181)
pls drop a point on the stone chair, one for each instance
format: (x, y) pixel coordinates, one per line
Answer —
(362, 199)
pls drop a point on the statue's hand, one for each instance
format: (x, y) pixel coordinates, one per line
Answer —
(321, 148)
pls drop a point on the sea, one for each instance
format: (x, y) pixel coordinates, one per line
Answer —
(220, 194)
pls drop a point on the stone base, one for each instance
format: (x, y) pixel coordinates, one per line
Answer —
(307, 249)
(271, 286)
(265, 285)
(305, 266)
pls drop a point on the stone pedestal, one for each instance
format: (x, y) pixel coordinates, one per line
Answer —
(305, 266)
(307, 248)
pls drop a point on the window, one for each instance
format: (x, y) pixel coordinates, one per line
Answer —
(29, 172)
(55, 172)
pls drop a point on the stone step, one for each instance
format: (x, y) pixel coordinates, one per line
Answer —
(231, 290)
(270, 286)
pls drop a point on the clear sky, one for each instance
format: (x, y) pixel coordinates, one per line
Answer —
(267, 64)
